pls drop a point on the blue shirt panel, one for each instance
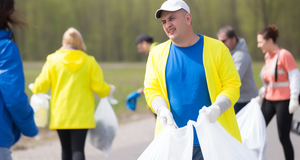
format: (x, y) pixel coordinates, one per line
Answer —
(186, 83)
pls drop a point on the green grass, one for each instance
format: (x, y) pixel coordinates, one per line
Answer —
(127, 77)
(126, 81)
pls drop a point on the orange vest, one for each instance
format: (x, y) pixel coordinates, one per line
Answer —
(278, 90)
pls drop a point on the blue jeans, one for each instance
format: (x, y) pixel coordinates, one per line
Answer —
(5, 153)
(197, 153)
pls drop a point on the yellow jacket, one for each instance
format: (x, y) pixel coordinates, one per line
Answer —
(221, 74)
(72, 76)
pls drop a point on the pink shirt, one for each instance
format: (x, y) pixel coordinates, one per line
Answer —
(280, 90)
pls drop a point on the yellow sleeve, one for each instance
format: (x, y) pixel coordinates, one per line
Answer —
(98, 84)
(229, 76)
(43, 81)
(152, 86)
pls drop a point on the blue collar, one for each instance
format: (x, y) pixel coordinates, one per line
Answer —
(5, 34)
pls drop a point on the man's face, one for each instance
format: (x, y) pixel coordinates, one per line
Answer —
(141, 47)
(174, 24)
(230, 43)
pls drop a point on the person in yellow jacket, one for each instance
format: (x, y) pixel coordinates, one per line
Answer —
(190, 71)
(73, 76)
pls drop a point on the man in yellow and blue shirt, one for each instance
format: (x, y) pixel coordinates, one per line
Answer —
(190, 71)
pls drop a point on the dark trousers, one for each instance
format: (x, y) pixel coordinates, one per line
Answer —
(284, 120)
(197, 153)
(239, 106)
(72, 143)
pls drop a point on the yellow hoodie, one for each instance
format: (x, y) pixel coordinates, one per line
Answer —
(221, 75)
(72, 76)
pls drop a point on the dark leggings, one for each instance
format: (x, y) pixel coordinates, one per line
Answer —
(284, 120)
(72, 143)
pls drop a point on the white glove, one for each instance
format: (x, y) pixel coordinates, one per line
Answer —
(259, 99)
(112, 89)
(294, 105)
(212, 112)
(30, 86)
(111, 98)
(165, 116)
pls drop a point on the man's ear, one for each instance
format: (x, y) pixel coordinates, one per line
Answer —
(188, 18)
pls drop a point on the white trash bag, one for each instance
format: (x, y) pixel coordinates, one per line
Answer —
(171, 144)
(102, 136)
(253, 128)
(217, 144)
(40, 106)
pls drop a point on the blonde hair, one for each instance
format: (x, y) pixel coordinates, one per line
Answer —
(73, 37)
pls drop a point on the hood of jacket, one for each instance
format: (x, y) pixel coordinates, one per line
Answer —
(241, 46)
(72, 59)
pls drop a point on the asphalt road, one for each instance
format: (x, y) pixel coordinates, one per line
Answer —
(134, 137)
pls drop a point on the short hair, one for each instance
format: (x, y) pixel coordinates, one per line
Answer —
(270, 32)
(143, 37)
(73, 37)
(229, 31)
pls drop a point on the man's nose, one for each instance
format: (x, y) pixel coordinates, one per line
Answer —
(169, 24)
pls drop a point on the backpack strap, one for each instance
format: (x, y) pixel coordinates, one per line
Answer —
(276, 67)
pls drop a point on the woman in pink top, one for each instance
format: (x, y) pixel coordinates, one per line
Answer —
(281, 81)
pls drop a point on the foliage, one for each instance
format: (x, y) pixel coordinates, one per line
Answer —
(110, 27)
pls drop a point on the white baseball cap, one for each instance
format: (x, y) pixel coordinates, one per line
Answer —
(172, 5)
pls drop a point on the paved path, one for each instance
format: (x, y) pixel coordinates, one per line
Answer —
(132, 139)
(274, 148)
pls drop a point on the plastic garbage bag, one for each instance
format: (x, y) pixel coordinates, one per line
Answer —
(40, 106)
(253, 128)
(295, 128)
(102, 136)
(217, 144)
(171, 144)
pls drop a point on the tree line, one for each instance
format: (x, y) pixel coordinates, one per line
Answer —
(109, 27)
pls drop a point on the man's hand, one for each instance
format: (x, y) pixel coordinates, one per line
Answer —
(165, 116)
(213, 112)
(294, 105)
(140, 91)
